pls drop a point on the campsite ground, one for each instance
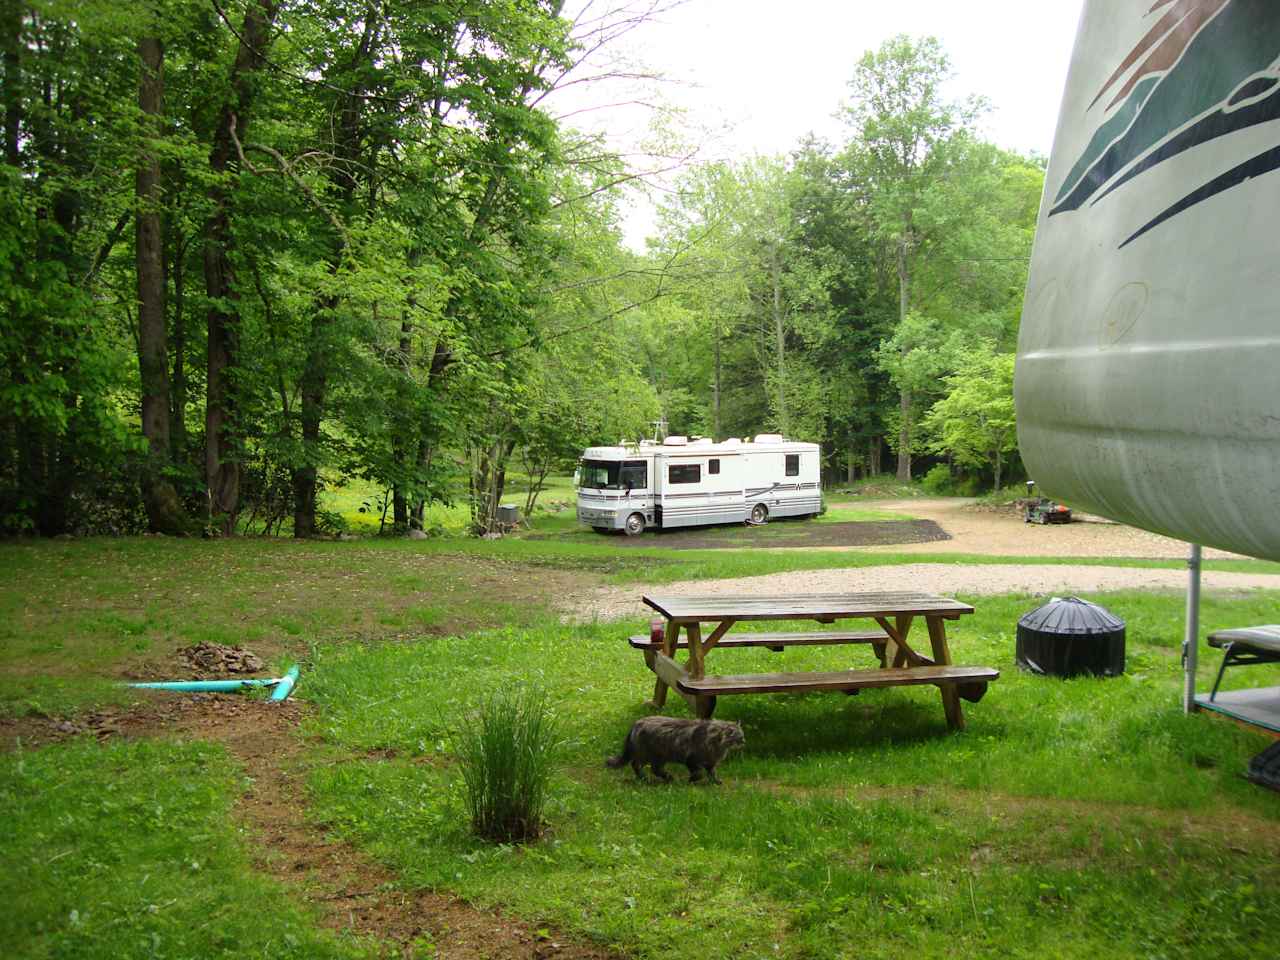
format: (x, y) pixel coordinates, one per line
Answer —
(1070, 819)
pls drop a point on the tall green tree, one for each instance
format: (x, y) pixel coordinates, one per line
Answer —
(905, 138)
(237, 98)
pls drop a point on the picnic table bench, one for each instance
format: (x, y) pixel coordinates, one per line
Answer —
(894, 613)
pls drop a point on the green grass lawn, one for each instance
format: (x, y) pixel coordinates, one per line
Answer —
(1071, 819)
(851, 513)
(128, 850)
(75, 617)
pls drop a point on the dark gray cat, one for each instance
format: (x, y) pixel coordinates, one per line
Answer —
(698, 744)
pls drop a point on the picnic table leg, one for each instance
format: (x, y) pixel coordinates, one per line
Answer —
(670, 636)
(703, 705)
(897, 652)
(889, 651)
(903, 623)
(942, 657)
(694, 630)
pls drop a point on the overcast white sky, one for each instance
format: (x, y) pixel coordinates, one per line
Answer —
(763, 73)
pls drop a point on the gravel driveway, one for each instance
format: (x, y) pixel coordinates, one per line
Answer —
(614, 603)
(1003, 533)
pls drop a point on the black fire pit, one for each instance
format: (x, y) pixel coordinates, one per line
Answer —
(1069, 636)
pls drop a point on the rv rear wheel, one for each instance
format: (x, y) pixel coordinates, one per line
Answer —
(635, 524)
(759, 513)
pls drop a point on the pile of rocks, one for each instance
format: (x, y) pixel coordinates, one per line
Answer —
(219, 658)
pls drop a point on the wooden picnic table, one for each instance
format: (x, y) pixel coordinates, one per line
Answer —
(893, 613)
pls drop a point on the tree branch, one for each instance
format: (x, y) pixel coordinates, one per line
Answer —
(286, 169)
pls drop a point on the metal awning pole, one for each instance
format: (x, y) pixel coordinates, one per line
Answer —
(1191, 640)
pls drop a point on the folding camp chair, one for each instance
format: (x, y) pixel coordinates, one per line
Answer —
(1244, 646)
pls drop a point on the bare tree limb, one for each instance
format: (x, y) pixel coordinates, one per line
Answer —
(285, 168)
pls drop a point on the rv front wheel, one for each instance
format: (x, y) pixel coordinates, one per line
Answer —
(635, 524)
(759, 513)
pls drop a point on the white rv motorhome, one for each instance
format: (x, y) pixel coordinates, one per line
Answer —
(682, 483)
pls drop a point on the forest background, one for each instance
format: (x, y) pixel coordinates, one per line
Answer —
(251, 249)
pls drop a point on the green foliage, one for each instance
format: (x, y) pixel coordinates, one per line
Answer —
(975, 423)
(506, 747)
(938, 479)
(62, 435)
(432, 288)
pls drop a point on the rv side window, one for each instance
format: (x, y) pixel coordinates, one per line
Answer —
(684, 473)
(793, 464)
(713, 466)
(635, 475)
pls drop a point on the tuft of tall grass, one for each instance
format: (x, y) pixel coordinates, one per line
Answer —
(507, 746)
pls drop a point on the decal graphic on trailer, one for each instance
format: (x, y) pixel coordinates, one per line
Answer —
(1204, 69)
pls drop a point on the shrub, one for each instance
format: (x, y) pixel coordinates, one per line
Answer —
(940, 482)
(938, 479)
(507, 745)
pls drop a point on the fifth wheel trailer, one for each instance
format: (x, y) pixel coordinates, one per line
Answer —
(682, 483)
(1148, 373)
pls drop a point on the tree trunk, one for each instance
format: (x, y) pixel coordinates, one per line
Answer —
(851, 466)
(715, 398)
(874, 464)
(488, 482)
(222, 468)
(178, 384)
(399, 508)
(12, 40)
(536, 486)
(164, 510)
(999, 464)
(440, 362)
(904, 436)
(904, 396)
(315, 376)
(400, 440)
(775, 275)
(417, 515)
(312, 388)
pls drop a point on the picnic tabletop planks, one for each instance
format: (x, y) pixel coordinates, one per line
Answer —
(682, 607)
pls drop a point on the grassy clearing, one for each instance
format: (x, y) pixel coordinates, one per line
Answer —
(126, 850)
(849, 513)
(75, 617)
(1072, 818)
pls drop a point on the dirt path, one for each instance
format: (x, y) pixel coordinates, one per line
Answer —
(1003, 533)
(349, 891)
(614, 603)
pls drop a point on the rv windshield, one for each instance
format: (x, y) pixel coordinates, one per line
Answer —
(613, 474)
